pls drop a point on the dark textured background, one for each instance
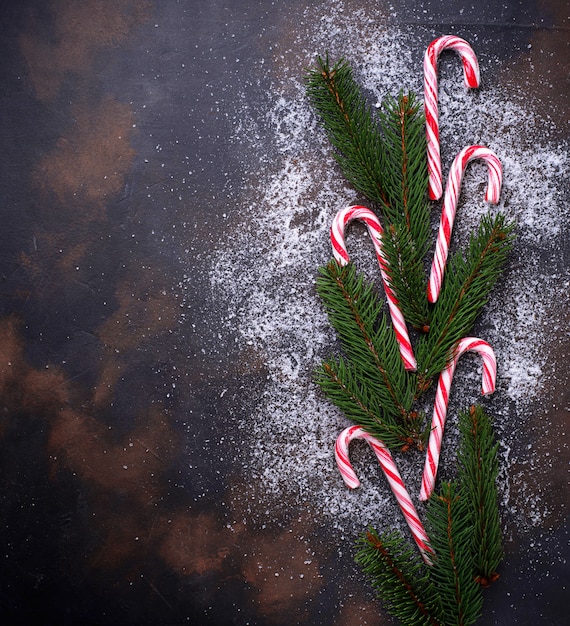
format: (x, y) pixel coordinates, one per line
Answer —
(101, 521)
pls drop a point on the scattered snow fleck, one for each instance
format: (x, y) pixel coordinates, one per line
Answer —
(287, 209)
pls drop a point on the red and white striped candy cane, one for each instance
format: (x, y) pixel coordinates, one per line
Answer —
(442, 399)
(394, 479)
(340, 253)
(471, 76)
(450, 202)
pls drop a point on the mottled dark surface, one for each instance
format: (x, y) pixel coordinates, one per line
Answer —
(109, 393)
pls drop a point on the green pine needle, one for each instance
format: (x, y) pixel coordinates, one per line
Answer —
(399, 577)
(405, 177)
(450, 530)
(350, 126)
(478, 471)
(465, 290)
(355, 312)
(387, 164)
(343, 386)
(405, 275)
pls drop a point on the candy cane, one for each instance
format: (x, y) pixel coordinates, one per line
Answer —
(471, 77)
(442, 399)
(340, 253)
(449, 209)
(394, 479)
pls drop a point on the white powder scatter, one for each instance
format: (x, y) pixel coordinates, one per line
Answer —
(283, 239)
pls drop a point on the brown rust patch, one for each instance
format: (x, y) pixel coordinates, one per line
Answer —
(362, 613)
(145, 308)
(90, 161)
(146, 311)
(280, 568)
(12, 364)
(283, 572)
(11, 352)
(123, 481)
(79, 30)
(24, 388)
(84, 171)
(194, 544)
(80, 443)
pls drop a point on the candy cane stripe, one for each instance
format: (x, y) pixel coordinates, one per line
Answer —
(441, 401)
(340, 222)
(450, 201)
(392, 475)
(471, 79)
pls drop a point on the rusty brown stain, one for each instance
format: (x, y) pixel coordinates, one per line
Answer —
(280, 569)
(361, 613)
(79, 176)
(11, 353)
(145, 307)
(12, 366)
(77, 440)
(24, 388)
(194, 543)
(80, 30)
(146, 310)
(80, 443)
(123, 479)
(89, 162)
(283, 573)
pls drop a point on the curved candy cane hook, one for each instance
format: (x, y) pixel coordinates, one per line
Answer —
(471, 77)
(394, 479)
(340, 253)
(450, 202)
(442, 399)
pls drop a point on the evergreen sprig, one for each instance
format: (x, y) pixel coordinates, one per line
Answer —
(399, 577)
(478, 471)
(405, 176)
(372, 387)
(468, 281)
(464, 531)
(406, 212)
(384, 159)
(451, 533)
(343, 386)
(383, 155)
(405, 275)
(355, 312)
(350, 126)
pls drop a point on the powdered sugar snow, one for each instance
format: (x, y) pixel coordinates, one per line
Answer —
(283, 239)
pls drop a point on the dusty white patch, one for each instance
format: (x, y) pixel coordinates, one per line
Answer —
(283, 239)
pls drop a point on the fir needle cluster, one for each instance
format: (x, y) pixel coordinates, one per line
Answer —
(465, 535)
(383, 155)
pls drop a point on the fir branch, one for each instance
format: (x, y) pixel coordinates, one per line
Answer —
(405, 274)
(405, 176)
(399, 577)
(343, 386)
(465, 291)
(350, 126)
(390, 169)
(370, 343)
(406, 211)
(478, 471)
(451, 535)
